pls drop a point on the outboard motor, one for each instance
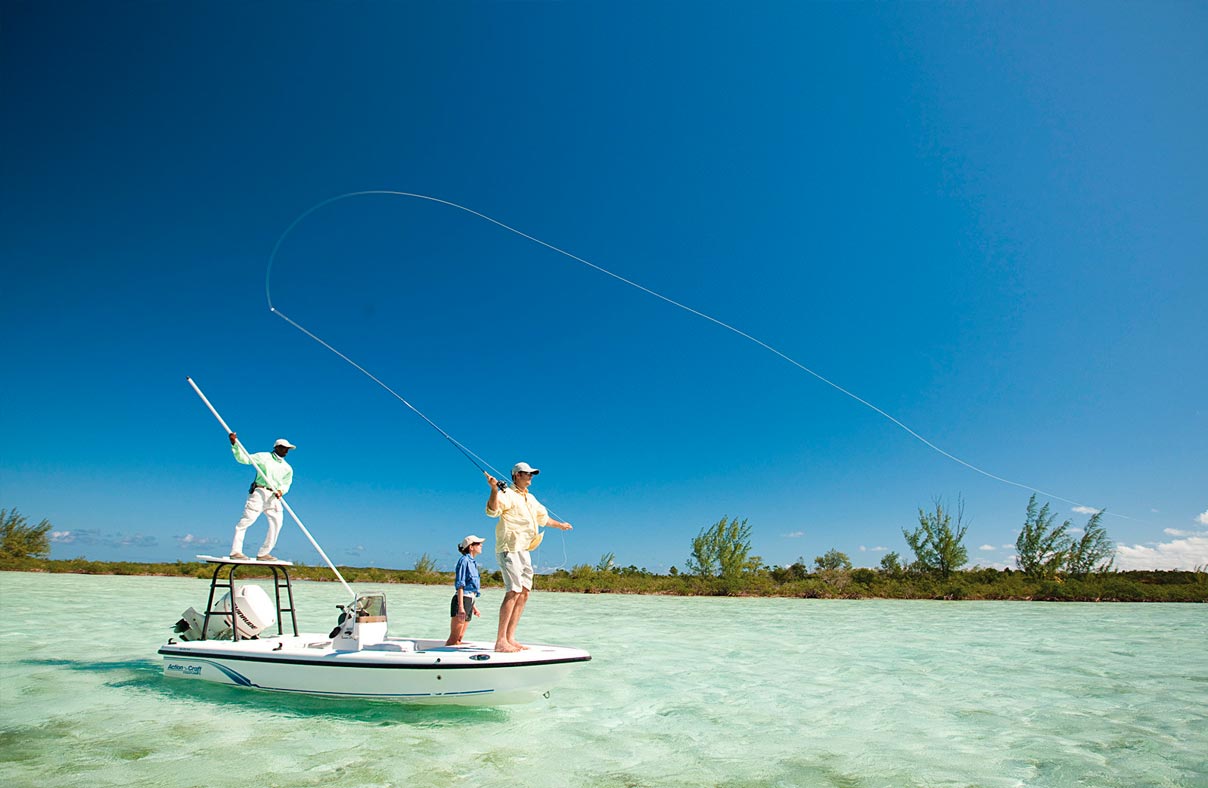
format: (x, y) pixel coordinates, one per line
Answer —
(363, 625)
(189, 627)
(253, 612)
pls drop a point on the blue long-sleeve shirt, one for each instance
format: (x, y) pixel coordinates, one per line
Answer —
(465, 576)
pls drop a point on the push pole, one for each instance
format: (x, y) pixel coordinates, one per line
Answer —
(283, 502)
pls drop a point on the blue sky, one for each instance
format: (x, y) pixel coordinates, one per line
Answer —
(988, 220)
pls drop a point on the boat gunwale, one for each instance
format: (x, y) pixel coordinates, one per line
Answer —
(326, 661)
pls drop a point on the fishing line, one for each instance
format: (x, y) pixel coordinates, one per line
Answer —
(479, 462)
(635, 285)
(476, 460)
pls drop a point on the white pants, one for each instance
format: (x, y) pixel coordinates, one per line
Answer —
(260, 500)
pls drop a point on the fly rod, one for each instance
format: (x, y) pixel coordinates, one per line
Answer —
(262, 470)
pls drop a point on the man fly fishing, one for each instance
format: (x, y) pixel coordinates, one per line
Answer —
(520, 516)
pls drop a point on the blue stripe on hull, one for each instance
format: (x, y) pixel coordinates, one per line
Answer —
(243, 681)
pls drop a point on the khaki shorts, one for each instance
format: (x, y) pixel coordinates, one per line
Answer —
(517, 569)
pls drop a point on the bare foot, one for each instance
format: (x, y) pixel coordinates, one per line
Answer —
(518, 646)
(506, 648)
(452, 642)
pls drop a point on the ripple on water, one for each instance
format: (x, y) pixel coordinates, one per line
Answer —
(681, 692)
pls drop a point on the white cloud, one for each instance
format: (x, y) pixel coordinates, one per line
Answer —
(189, 540)
(1184, 553)
(93, 536)
(1177, 532)
(794, 535)
(1008, 547)
(987, 547)
(1203, 518)
(877, 549)
(1085, 510)
(1000, 565)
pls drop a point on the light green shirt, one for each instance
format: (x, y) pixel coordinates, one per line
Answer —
(271, 471)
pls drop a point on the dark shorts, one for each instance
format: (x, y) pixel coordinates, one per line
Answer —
(468, 600)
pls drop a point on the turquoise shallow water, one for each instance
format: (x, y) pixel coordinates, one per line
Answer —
(681, 692)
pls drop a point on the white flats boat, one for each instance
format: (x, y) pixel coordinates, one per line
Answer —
(356, 659)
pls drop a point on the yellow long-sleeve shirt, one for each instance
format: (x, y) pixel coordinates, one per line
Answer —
(520, 515)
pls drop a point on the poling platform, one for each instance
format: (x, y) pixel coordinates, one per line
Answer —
(222, 559)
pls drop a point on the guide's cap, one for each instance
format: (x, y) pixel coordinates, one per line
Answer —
(469, 540)
(285, 443)
(524, 466)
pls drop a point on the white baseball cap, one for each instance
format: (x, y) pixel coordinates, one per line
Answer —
(469, 540)
(524, 466)
(285, 443)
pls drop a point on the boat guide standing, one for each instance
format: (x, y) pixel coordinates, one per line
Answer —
(521, 517)
(273, 479)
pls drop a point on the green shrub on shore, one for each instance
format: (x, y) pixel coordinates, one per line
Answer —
(19, 539)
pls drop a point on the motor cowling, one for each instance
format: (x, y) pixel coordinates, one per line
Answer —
(254, 611)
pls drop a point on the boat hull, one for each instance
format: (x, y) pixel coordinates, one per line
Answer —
(403, 670)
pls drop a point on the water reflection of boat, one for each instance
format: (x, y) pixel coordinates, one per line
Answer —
(227, 644)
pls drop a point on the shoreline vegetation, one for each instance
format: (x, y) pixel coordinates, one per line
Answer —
(792, 581)
(1053, 567)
